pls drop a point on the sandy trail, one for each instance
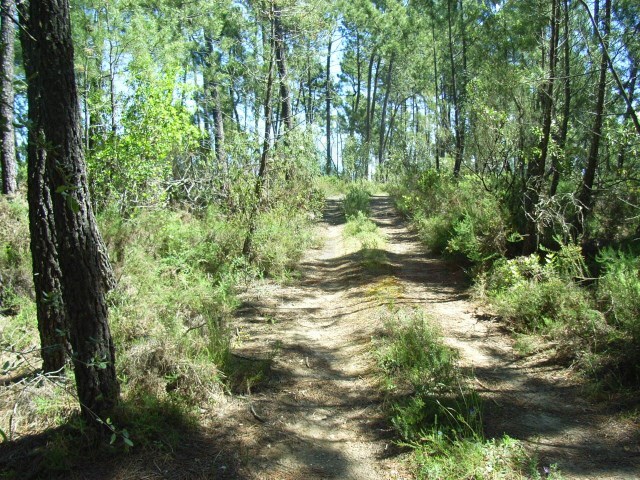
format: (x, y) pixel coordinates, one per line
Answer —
(320, 413)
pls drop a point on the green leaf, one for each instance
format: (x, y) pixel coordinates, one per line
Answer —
(113, 439)
(128, 442)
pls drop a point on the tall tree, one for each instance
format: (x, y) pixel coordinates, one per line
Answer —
(585, 195)
(55, 132)
(329, 162)
(7, 134)
(247, 248)
(281, 62)
(537, 166)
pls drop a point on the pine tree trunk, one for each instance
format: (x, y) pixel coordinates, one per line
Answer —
(281, 62)
(585, 196)
(454, 95)
(7, 134)
(566, 110)
(383, 119)
(328, 109)
(86, 275)
(247, 248)
(536, 169)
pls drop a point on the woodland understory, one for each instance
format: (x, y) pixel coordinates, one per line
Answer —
(160, 158)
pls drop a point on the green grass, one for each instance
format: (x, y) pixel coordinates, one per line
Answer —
(356, 200)
(434, 411)
(178, 272)
(368, 240)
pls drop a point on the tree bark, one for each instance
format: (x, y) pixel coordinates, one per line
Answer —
(437, 112)
(367, 126)
(633, 75)
(7, 134)
(247, 248)
(566, 108)
(585, 196)
(281, 62)
(356, 105)
(456, 103)
(328, 108)
(383, 118)
(536, 169)
(86, 275)
(50, 313)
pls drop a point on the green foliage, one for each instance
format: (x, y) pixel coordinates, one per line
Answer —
(282, 236)
(356, 200)
(369, 240)
(414, 359)
(17, 306)
(158, 137)
(545, 298)
(619, 296)
(458, 218)
(435, 412)
(15, 255)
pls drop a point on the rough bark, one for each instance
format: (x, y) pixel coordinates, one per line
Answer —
(456, 101)
(383, 118)
(367, 126)
(435, 78)
(247, 248)
(218, 125)
(281, 62)
(328, 108)
(7, 134)
(566, 108)
(633, 76)
(86, 275)
(536, 168)
(213, 104)
(585, 196)
(356, 105)
(50, 313)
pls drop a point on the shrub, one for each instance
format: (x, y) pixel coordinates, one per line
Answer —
(433, 231)
(545, 298)
(282, 235)
(369, 240)
(356, 200)
(435, 412)
(457, 217)
(416, 361)
(15, 255)
(619, 297)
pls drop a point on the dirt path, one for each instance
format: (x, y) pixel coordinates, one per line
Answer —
(319, 415)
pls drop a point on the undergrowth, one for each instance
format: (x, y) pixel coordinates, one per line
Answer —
(549, 298)
(356, 200)
(367, 240)
(434, 411)
(178, 273)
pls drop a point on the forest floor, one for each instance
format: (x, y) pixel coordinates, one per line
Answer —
(308, 401)
(317, 411)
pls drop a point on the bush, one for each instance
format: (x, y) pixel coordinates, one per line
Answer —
(356, 200)
(415, 360)
(546, 299)
(456, 217)
(434, 232)
(619, 297)
(15, 254)
(434, 411)
(370, 241)
(282, 235)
